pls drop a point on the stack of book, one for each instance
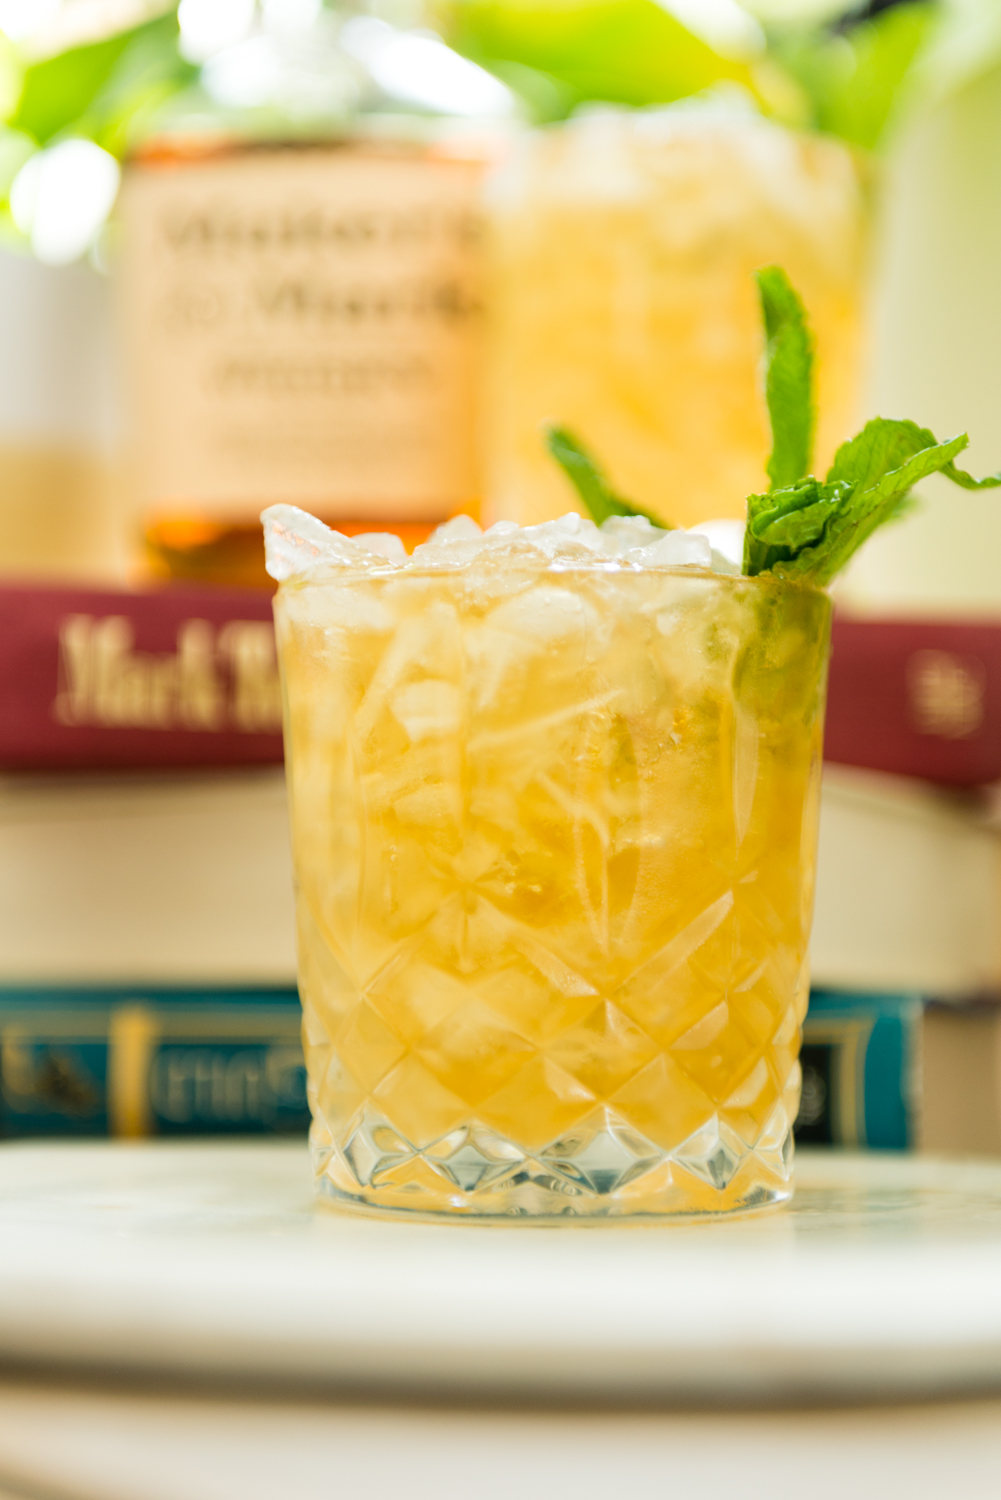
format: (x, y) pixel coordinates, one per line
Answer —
(902, 1043)
(147, 965)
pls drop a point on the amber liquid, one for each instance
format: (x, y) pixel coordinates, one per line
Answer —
(189, 550)
(554, 842)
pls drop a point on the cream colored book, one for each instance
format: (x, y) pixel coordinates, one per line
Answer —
(173, 879)
(187, 878)
(908, 890)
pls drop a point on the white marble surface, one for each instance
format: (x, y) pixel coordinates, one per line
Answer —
(75, 1443)
(884, 1279)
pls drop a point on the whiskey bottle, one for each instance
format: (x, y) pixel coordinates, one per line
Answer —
(302, 316)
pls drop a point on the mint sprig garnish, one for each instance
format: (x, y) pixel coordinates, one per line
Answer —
(808, 529)
(886, 446)
(600, 500)
(785, 523)
(788, 378)
(803, 528)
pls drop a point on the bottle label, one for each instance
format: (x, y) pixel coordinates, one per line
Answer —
(303, 326)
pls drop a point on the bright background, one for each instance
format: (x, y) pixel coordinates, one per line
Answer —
(81, 81)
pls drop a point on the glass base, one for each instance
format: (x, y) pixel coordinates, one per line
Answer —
(607, 1171)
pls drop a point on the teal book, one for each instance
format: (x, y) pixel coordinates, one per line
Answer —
(135, 1061)
(861, 1061)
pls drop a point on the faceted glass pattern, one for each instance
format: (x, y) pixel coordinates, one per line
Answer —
(554, 835)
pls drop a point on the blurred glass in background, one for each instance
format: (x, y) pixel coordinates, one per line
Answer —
(624, 302)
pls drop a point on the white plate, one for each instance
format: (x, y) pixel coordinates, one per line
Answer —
(884, 1278)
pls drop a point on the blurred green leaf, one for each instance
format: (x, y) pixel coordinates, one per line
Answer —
(546, 98)
(15, 149)
(620, 51)
(99, 89)
(149, 72)
(854, 78)
(59, 89)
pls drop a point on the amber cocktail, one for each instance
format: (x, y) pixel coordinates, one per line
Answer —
(554, 809)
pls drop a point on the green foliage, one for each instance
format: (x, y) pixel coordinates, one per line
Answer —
(788, 377)
(881, 447)
(847, 78)
(783, 522)
(56, 91)
(15, 149)
(866, 486)
(149, 71)
(100, 89)
(599, 499)
(853, 79)
(967, 481)
(546, 99)
(806, 529)
(621, 51)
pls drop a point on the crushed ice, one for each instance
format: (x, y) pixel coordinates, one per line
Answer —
(297, 544)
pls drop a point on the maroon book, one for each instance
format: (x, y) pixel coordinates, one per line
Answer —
(188, 677)
(169, 677)
(918, 698)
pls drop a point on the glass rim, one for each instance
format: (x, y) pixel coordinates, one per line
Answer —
(325, 576)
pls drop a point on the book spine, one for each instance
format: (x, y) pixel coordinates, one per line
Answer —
(180, 1064)
(168, 1065)
(92, 679)
(860, 1059)
(916, 698)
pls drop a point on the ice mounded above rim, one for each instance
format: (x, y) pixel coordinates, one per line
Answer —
(298, 545)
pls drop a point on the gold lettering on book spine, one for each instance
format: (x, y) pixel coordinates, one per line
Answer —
(132, 1039)
(946, 694)
(249, 647)
(212, 682)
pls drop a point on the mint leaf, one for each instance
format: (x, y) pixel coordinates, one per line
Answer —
(600, 500)
(784, 522)
(788, 377)
(875, 472)
(886, 443)
(883, 445)
(967, 481)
